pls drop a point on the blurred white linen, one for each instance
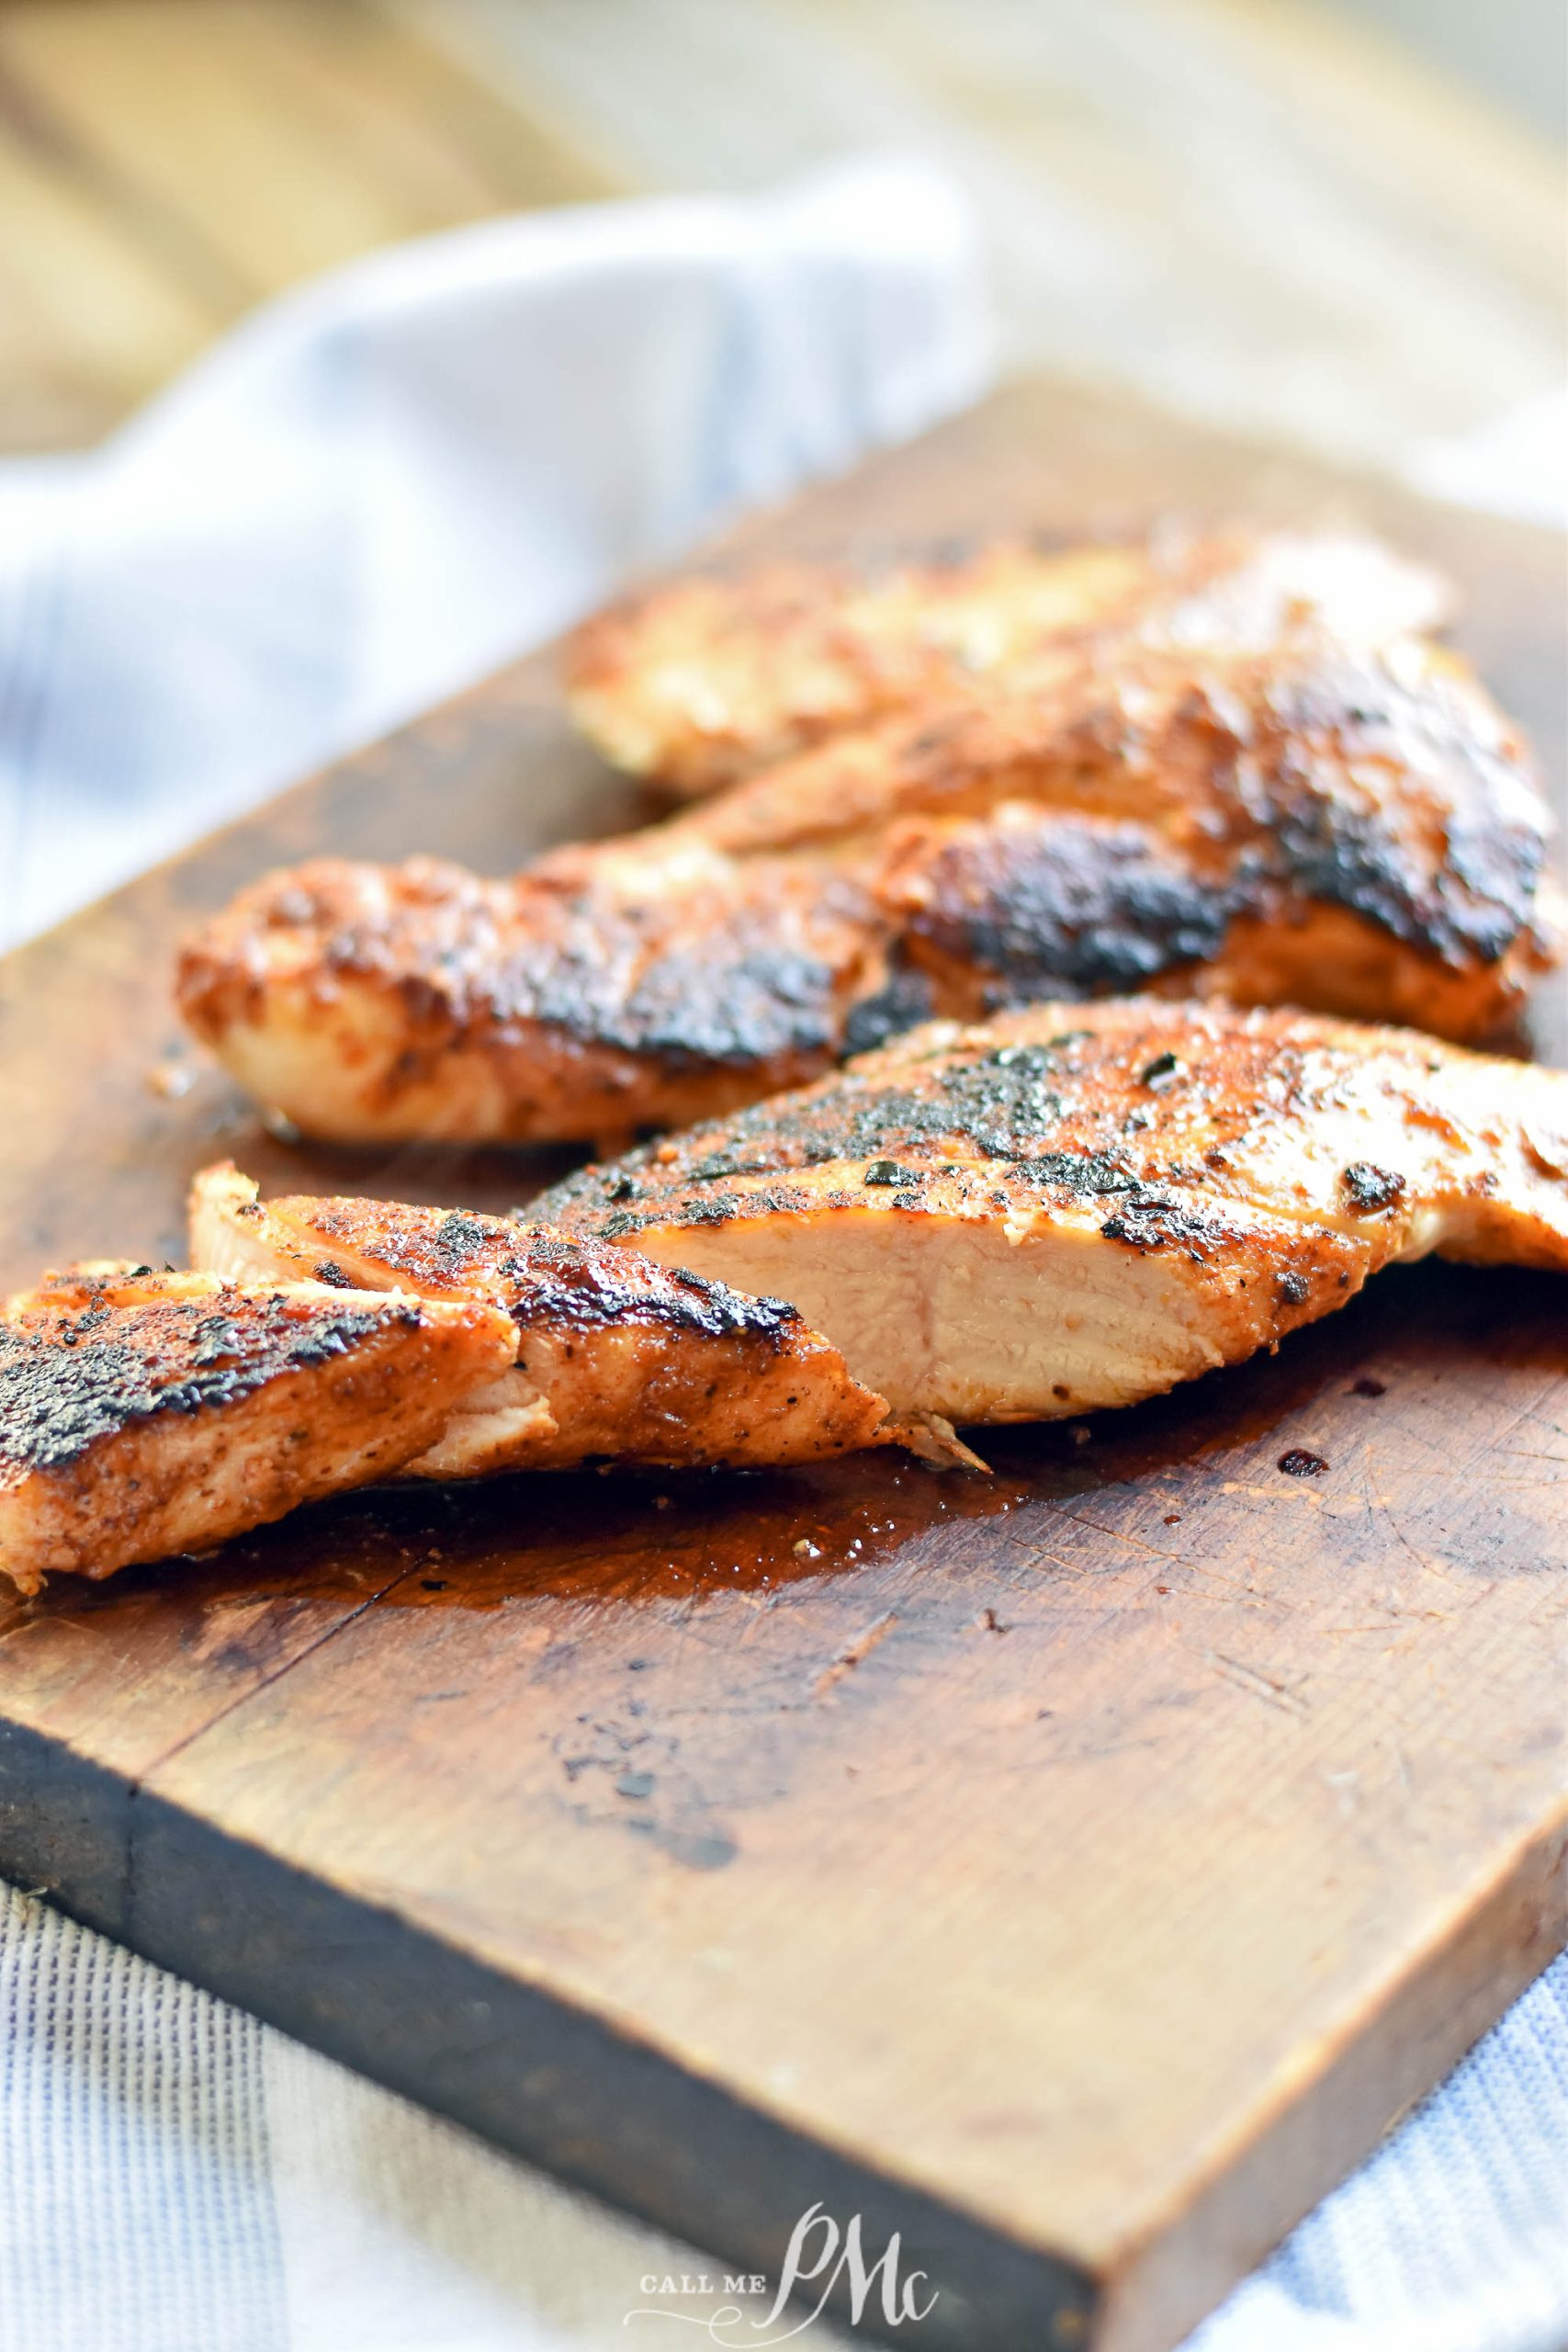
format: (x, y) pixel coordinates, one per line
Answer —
(1517, 464)
(375, 491)
(385, 483)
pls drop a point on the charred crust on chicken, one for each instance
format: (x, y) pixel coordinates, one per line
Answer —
(79, 1371)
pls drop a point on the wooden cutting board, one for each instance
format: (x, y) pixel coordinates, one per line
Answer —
(1075, 1872)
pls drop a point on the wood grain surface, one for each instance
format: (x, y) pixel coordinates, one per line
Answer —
(1075, 1872)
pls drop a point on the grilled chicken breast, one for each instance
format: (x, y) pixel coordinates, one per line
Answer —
(145, 1414)
(1358, 830)
(697, 681)
(1080, 1205)
(617, 1359)
(620, 988)
(1354, 828)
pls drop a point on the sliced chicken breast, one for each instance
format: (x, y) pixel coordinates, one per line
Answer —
(622, 988)
(1080, 1205)
(1356, 830)
(1221, 743)
(617, 1359)
(143, 1414)
(697, 681)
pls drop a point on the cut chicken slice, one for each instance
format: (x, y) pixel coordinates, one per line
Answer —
(617, 1359)
(697, 681)
(143, 1414)
(1080, 1205)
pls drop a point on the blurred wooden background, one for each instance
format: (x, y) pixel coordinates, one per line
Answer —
(1261, 211)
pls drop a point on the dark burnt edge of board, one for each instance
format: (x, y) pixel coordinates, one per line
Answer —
(495, 2053)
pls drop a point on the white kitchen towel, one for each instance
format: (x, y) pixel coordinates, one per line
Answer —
(380, 487)
(389, 481)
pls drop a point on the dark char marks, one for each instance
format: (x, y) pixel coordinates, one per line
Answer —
(1062, 903)
(1369, 1189)
(716, 1001)
(1005, 1104)
(576, 1285)
(68, 1384)
(904, 1000)
(1150, 1221)
(1461, 888)
(545, 1281)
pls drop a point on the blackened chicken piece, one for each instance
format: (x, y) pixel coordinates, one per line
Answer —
(1358, 830)
(1080, 1205)
(635, 985)
(1204, 810)
(144, 1414)
(697, 681)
